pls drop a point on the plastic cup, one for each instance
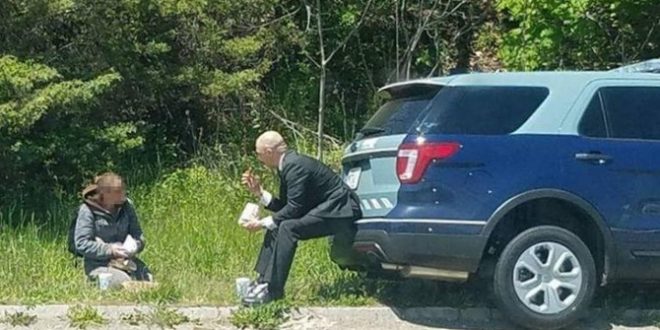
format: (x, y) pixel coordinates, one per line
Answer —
(104, 280)
(242, 286)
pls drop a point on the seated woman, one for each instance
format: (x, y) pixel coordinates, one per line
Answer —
(104, 222)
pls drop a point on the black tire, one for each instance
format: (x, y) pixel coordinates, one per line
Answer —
(503, 280)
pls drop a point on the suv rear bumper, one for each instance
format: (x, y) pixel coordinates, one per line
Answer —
(372, 248)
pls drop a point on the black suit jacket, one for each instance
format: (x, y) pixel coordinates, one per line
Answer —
(308, 186)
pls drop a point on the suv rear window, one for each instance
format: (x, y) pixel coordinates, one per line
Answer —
(396, 116)
(481, 110)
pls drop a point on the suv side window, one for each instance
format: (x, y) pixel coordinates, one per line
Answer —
(632, 112)
(592, 123)
(481, 110)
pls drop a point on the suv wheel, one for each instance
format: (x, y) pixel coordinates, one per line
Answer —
(545, 278)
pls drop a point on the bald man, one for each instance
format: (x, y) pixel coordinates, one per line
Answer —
(313, 202)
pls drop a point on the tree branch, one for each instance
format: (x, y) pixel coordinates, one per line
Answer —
(319, 27)
(368, 72)
(396, 18)
(311, 59)
(275, 20)
(646, 40)
(309, 16)
(299, 128)
(355, 28)
(423, 22)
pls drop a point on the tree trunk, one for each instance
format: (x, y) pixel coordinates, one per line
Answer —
(323, 63)
(321, 106)
(396, 39)
(345, 117)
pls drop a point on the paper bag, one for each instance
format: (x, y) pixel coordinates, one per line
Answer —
(130, 245)
(250, 212)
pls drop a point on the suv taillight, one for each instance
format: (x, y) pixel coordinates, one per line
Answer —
(413, 158)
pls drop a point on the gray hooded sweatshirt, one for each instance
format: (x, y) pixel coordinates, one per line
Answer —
(93, 221)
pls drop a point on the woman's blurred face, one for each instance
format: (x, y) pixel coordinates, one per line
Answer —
(115, 195)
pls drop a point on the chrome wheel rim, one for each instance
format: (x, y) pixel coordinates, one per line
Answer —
(547, 278)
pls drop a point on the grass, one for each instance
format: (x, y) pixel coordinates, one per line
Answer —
(160, 316)
(82, 317)
(194, 246)
(135, 318)
(265, 317)
(19, 319)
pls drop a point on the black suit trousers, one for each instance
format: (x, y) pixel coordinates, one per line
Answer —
(279, 246)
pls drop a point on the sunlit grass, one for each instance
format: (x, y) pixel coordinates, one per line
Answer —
(194, 246)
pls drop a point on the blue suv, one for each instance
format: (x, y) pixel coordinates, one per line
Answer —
(546, 183)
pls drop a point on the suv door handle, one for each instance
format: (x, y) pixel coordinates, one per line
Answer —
(651, 208)
(593, 157)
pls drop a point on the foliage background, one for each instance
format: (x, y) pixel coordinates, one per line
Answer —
(87, 86)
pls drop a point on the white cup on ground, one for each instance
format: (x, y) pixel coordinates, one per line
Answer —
(242, 286)
(104, 280)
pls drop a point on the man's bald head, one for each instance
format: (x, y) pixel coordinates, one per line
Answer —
(270, 139)
(270, 146)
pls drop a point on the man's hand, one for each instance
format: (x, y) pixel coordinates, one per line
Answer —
(253, 225)
(252, 183)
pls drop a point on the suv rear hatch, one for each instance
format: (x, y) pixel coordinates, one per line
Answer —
(369, 163)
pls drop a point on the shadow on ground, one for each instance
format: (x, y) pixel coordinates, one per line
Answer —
(625, 305)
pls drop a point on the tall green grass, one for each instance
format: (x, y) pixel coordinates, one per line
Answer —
(194, 246)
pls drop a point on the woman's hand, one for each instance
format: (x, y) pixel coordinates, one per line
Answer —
(118, 251)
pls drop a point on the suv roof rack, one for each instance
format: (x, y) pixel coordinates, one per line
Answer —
(648, 66)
